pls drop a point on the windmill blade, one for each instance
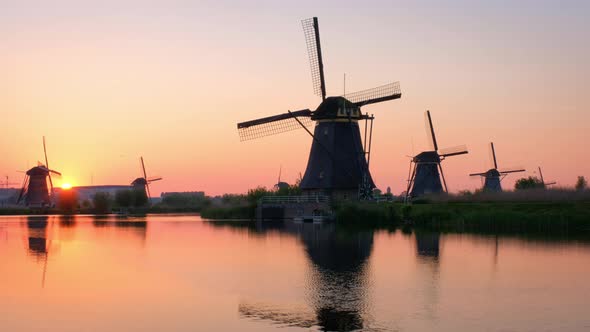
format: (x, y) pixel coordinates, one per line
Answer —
(311, 31)
(375, 95)
(47, 165)
(143, 168)
(453, 151)
(550, 183)
(493, 156)
(23, 190)
(273, 125)
(512, 170)
(430, 131)
(152, 179)
(478, 174)
(541, 175)
(147, 183)
(54, 172)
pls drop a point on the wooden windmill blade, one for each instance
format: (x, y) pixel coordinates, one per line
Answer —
(273, 125)
(47, 165)
(453, 151)
(23, 191)
(378, 94)
(512, 170)
(430, 131)
(311, 31)
(147, 185)
(493, 156)
(478, 174)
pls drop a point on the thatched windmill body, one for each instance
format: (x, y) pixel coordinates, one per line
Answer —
(338, 163)
(425, 168)
(493, 177)
(35, 191)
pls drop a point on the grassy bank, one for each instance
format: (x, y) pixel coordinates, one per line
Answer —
(496, 217)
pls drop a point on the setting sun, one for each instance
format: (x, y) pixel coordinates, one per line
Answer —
(66, 186)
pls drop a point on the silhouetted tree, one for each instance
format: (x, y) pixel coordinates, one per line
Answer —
(102, 202)
(124, 198)
(255, 194)
(528, 183)
(68, 201)
(581, 184)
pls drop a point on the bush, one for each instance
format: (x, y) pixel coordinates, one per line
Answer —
(124, 198)
(528, 183)
(68, 201)
(102, 202)
(581, 184)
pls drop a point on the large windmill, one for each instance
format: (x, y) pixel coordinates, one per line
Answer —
(425, 168)
(338, 163)
(494, 176)
(144, 182)
(34, 191)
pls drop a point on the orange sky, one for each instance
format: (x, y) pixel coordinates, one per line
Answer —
(170, 80)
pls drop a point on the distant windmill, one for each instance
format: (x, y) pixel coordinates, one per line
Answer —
(545, 184)
(493, 176)
(281, 184)
(34, 191)
(144, 182)
(424, 177)
(338, 163)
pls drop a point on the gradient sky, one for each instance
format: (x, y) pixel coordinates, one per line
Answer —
(109, 81)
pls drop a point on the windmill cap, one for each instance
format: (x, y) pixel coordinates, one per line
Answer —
(38, 170)
(330, 107)
(139, 182)
(427, 157)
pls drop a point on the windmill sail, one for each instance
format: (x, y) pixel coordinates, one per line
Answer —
(512, 170)
(430, 131)
(312, 39)
(453, 151)
(273, 125)
(493, 156)
(375, 95)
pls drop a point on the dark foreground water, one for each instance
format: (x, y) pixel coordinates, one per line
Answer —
(179, 273)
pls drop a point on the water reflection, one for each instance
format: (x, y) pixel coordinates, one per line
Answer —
(38, 243)
(337, 283)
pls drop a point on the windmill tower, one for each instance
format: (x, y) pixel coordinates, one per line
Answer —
(338, 163)
(144, 182)
(425, 168)
(493, 176)
(34, 191)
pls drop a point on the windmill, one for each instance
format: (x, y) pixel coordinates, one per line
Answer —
(338, 163)
(281, 184)
(144, 182)
(545, 184)
(494, 176)
(34, 191)
(425, 168)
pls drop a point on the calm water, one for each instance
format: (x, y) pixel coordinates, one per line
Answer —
(180, 273)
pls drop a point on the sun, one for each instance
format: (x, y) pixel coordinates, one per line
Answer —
(66, 186)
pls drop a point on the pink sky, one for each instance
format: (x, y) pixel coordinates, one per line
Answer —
(170, 80)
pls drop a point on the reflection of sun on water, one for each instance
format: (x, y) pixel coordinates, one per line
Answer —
(66, 186)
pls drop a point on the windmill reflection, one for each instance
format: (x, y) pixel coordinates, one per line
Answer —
(37, 241)
(428, 251)
(337, 281)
